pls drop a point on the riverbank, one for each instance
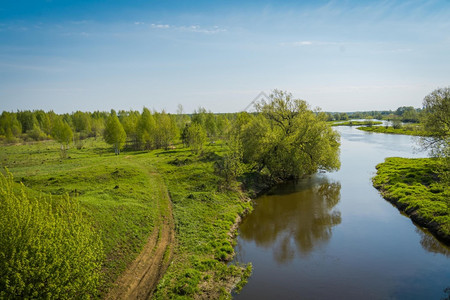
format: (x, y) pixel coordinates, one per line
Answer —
(205, 211)
(356, 123)
(414, 187)
(407, 130)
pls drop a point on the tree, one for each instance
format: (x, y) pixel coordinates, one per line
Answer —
(114, 133)
(62, 133)
(436, 120)
(166, 130)
(27, 120)
(194, 136)
(211, 126)
(145, 129)
(10, 126)
(231, 165)
(82, 122)
(129, 120)
(289, 139)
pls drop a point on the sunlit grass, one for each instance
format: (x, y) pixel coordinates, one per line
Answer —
(415, 186)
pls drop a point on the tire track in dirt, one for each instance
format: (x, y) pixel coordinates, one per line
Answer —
(140, 279)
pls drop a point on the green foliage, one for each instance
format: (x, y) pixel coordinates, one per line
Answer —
(436, 121)
(10, 126)
(63, 134)
(114, 133)
(417, 188)
(165, 131)
(118, 195)
(194, 136)
(47, 248)
(357, 123)
(146, 127)
(231, 165)
(289, 139)
(408, 114)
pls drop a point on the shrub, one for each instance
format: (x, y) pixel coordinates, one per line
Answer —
(47, 250)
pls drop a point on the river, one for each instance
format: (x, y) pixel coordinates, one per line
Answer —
(332, 236)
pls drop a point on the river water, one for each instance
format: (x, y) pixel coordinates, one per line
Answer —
(333, 236)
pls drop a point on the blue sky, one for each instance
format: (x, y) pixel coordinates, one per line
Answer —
(337, 55)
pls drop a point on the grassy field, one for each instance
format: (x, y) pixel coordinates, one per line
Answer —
(406, 130)
(413, 185)
(117, 194)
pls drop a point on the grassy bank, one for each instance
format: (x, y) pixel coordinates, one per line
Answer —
(204, 212)
(415, 188)
(407, 130)
(118, 196)
(355, 123)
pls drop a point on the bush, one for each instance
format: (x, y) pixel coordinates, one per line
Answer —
(47, 250)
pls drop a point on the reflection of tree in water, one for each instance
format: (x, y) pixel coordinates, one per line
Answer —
(431, 244)
(295, 218)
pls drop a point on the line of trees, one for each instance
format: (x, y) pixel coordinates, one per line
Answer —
(406, 114)
(135, 130)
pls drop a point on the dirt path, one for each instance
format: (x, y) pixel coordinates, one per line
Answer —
(142, 276)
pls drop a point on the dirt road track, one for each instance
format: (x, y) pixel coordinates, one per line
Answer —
(142, 276)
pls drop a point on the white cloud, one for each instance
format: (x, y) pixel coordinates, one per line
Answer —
(314, 43)
(190, 28)
(160, 26)
(303, 43)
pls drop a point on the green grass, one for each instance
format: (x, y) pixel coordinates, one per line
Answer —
(414, 186)
(204, 211)
(355, 123)
(116, 193)
(406, 130)
(120, 196)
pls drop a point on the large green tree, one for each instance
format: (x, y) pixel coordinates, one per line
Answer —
(436, 120)
(114, 133)
(289, 139)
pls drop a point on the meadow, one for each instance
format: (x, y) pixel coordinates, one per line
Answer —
(120, 195)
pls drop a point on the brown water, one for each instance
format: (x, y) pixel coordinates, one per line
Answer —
(333, 236)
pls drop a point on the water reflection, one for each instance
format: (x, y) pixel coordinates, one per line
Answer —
(431, 244)
(295, 218)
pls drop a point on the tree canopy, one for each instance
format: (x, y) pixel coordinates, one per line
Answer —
(289, 139)
(114, 133)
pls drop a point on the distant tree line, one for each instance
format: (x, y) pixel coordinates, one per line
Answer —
(406, 114)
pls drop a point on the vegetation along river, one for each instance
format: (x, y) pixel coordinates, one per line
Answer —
(334, 236)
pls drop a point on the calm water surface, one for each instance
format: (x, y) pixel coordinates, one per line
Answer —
(334, 236)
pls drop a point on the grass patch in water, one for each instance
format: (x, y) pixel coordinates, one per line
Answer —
(407, 130)
(355, 123)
